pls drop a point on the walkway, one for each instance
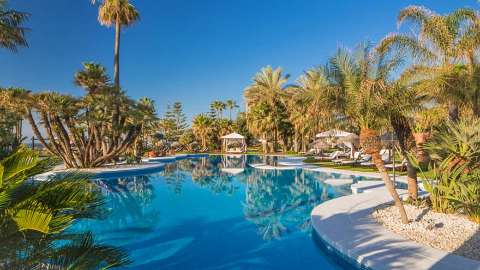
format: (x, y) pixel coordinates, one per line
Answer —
(346, 225)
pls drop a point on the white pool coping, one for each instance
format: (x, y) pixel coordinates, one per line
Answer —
(346, 225)
(105, 171)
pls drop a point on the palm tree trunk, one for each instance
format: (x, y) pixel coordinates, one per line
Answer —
(412, 181)
(275, 138)
(265, 144)
(377, 159)
(422, 155)
(18, 130)
(371, 144)
(453, 112)
(116, 67)
(295, 141)
(404, 135)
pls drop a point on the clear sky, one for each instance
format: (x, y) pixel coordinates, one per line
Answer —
(195, 51)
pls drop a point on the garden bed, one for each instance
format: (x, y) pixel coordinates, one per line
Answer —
(449, 232)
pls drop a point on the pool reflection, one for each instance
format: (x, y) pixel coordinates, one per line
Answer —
(278, 202)
(174, 219)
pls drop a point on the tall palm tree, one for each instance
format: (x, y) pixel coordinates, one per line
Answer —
(12, 33)
(443, 43)
(119, 13)
(230, 105)
(360, 77)
(268, 87)
(306, 105)
(218, 107)
(202, 127)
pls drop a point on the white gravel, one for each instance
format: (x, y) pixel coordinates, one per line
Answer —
(448, 232)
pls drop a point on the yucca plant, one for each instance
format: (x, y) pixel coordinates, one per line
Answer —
(35, 217)
(454, 184)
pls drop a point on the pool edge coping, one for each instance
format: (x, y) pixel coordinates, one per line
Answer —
(345, 225)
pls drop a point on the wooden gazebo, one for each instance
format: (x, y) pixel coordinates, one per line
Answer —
(234, 143)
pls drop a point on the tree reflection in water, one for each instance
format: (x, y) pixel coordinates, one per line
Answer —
(278, 202)
(134, 193)
(204, 172)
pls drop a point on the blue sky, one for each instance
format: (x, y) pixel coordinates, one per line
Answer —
(195, 51)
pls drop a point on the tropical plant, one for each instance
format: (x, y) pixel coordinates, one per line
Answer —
(360, 78)
(447, 44)
(188, 140)
(307, 106)
(217, 108)
(265, 103)
(34, 218)
(146, 110)
(10, 130)
(93, 78)
(120, 13)
(454, 184)
(87, 131)
(202, 128)
(231, 104)
(12, 33)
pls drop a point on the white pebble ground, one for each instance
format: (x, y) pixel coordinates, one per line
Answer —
(448, 232)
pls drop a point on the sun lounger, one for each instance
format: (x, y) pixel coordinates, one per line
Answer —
(400, 166)
(363, 159)
(385, 155)
(356, 156)
(331, 157)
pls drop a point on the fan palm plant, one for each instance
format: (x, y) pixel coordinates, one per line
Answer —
(34, 218)
(93, 78)
(120, 13)
(12, 33)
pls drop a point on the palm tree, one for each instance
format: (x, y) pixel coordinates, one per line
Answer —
(81, 131)
(306, 105)
(360, 78)
(12, 33)
(35, 218)
(202, 127)
(444, 43)
(230, 105)
(218, 107)
(147, 114)
(399, 103)
(92, 78)
(119, 13)
(267, 90)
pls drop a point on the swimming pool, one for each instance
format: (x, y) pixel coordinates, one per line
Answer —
(216, 212)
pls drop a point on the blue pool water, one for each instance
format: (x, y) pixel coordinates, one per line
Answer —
(216, 213)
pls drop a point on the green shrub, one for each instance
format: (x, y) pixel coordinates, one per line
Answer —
(454, 178)
(35, 217)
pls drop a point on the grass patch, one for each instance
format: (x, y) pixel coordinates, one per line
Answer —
(356, 168)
